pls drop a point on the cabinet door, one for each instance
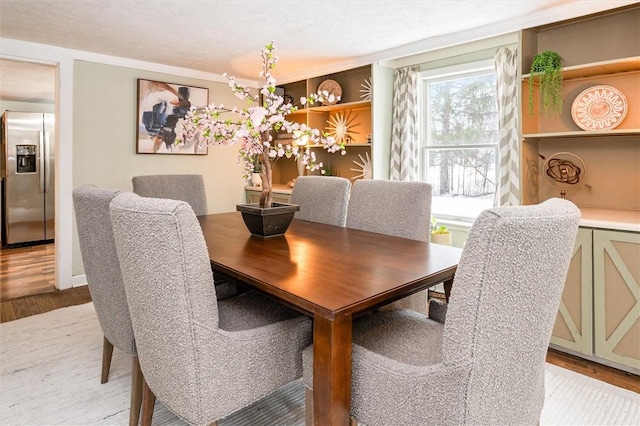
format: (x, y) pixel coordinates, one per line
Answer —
(281, 197)
(617, 296)
(573, 326)
(253, 196)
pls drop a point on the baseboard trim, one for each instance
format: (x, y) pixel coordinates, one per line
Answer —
(78, 280)
(596, 359)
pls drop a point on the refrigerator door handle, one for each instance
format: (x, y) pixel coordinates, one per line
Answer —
(41, 158)
(47, 169)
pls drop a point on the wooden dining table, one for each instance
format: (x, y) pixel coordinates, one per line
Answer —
(333, 274)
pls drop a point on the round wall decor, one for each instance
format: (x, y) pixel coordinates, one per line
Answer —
(599, 108)
(330, 87)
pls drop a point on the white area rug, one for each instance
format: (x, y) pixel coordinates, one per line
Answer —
(50, 375)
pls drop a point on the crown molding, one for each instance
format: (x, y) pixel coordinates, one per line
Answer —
(42, 53)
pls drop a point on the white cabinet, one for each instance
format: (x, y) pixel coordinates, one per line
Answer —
(573, 328)
(281, 194)
(599, 314)
(616, 296)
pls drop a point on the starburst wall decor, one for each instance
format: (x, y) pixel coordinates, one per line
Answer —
(340, 127)
(366, 89)
(365, 168)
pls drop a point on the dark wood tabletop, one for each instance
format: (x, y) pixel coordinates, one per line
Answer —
(332, 274)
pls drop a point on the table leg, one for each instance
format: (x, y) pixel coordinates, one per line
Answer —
(447, 289)
(331, 370)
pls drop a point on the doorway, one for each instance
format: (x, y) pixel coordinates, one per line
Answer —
(27, 87)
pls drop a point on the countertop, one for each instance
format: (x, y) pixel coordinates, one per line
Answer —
(624, 220)
(279, 188)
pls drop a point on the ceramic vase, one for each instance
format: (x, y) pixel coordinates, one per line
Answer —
(256, 180)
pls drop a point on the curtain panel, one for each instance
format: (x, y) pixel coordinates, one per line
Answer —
(506, 64)
(404, 128)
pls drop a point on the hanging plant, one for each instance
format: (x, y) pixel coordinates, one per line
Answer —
(548, 67)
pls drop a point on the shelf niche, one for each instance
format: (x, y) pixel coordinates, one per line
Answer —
(352, 106)
(596, 49)
(601, 49)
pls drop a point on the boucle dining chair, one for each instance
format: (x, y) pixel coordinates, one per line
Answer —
(189, 188)
(102, 270)
(486, 364)
(322, 199)
(183, 187)
(203, 359)
(400, 209)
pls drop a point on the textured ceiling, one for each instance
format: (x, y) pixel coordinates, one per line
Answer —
(226, 36)
(27, 81)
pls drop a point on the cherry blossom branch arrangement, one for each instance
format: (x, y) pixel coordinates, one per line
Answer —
(255, 128)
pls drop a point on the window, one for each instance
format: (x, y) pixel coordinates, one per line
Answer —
(459, 138)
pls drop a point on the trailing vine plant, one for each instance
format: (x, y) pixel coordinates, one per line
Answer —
(548, 67)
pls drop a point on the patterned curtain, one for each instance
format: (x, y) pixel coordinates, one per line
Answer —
(508, 191)
(404, 128)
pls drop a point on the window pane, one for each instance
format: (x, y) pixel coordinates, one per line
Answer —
(461, 209)
(458, 175)
(462, 111)
(459, 136)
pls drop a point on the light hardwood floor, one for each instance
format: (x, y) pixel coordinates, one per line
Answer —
(27, 283)
(26, 271)
(40, 303)
(27, 288)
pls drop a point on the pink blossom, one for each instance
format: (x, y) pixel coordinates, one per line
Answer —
(254, 127)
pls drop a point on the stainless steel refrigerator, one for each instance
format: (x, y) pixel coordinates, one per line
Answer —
(27, 172)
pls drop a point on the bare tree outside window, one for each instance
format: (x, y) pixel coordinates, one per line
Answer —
(460, 141)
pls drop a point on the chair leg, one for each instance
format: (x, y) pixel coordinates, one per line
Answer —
(136, 392)
(148, 403)
(107, 353)
(308, 407)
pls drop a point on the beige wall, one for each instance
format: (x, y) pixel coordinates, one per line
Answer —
(104, 135)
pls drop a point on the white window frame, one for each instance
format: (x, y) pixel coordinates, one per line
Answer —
(469, 69)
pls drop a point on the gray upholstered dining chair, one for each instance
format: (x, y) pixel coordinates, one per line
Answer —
(189, 188)
(102, 269)
(322, 199)
(486, 364)
(400, 209)
(203, 359)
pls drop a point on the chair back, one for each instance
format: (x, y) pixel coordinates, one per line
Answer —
(400, 209)
(170, 292)
(189, 188)
(322, 199)
(101, 265)
(503, 305)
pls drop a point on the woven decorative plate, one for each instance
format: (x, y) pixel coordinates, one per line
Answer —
(599, 108)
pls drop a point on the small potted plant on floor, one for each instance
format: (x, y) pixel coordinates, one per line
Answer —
(440, 234)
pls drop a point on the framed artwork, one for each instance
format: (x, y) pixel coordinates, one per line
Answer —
(160, 106)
